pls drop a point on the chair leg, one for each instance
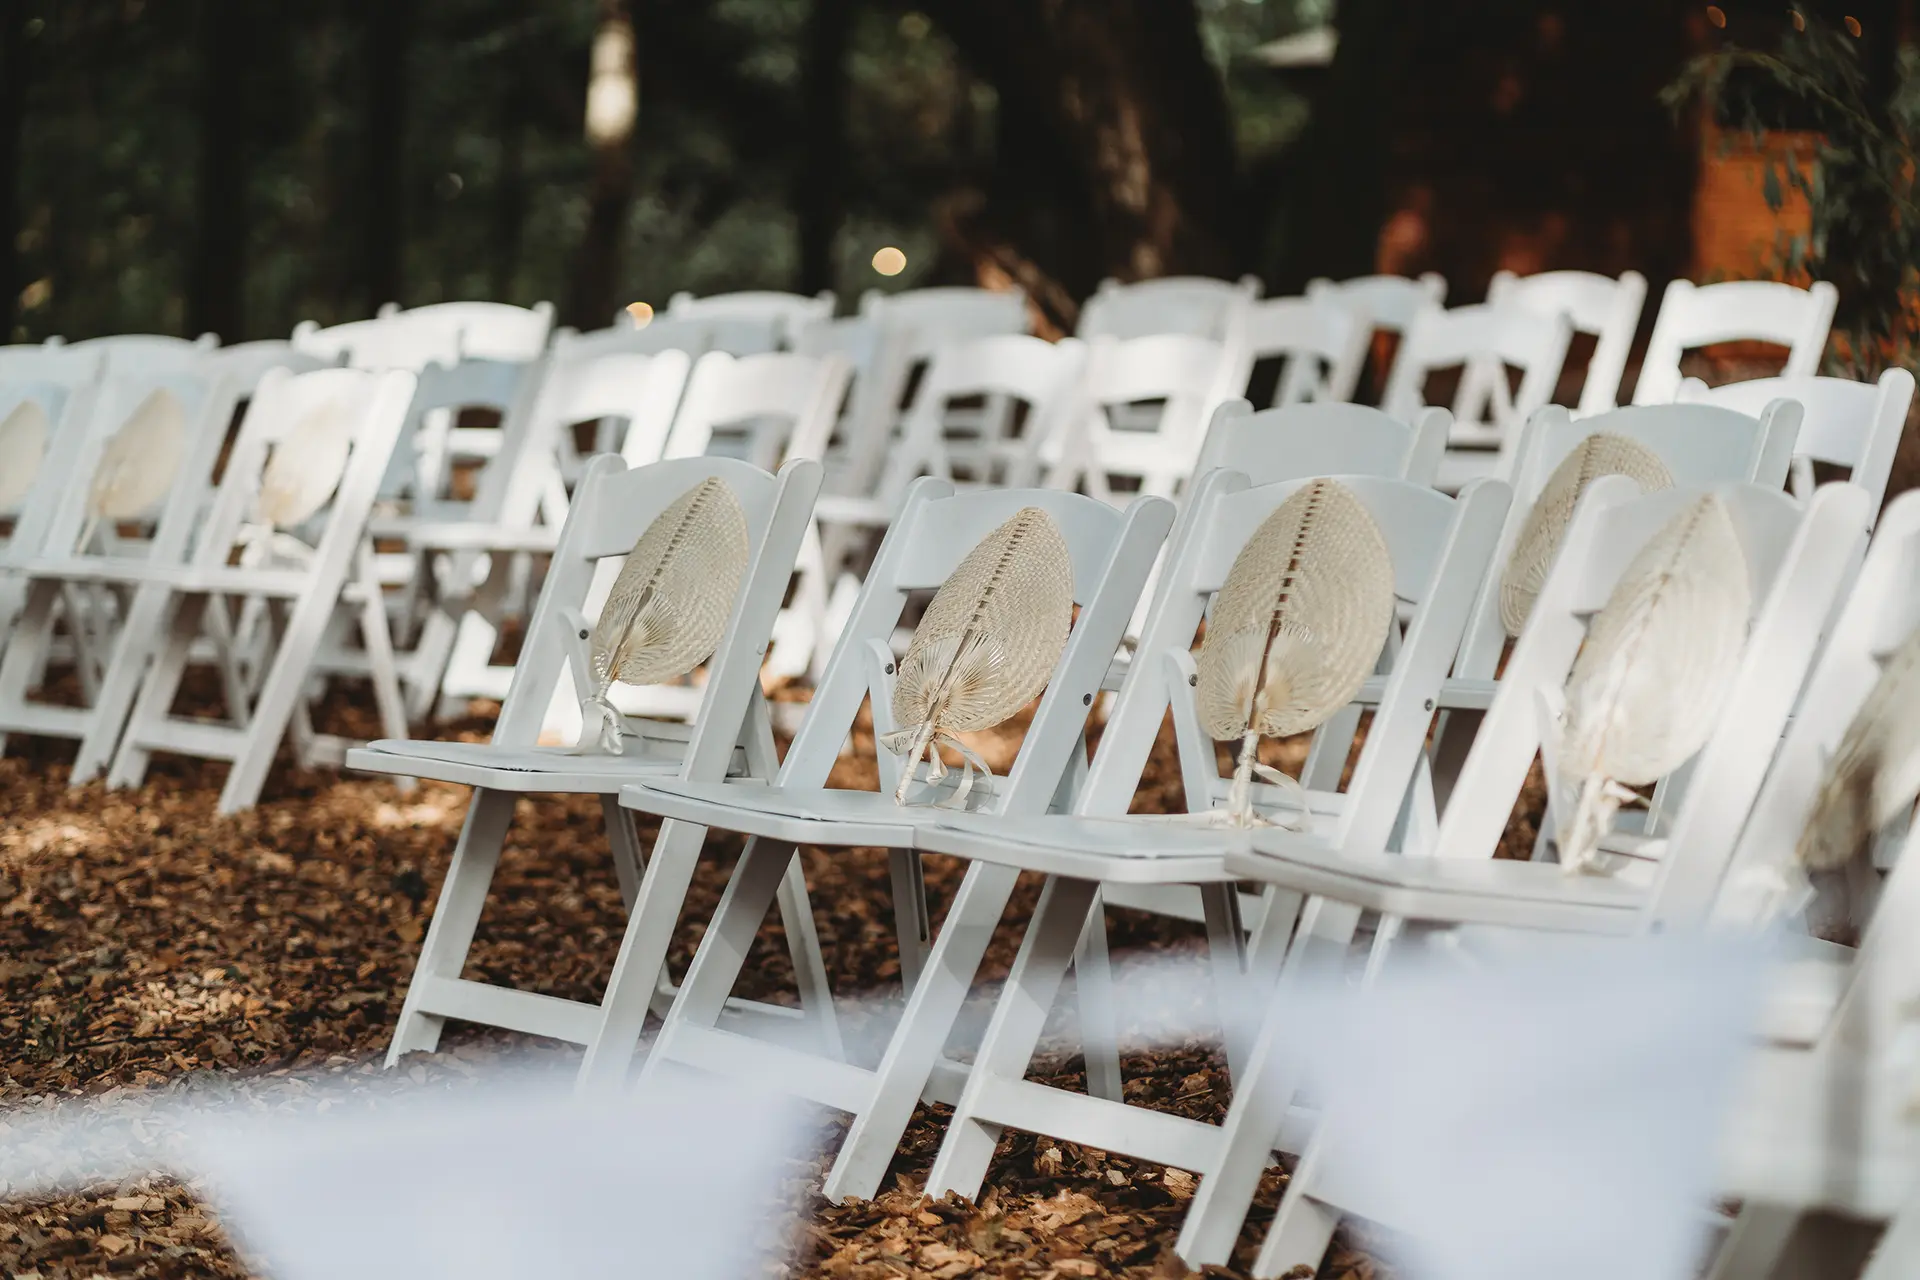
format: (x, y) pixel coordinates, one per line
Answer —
(1304, 1227)
(1099, 1011)
(24, 652)
(643, 951)
(455, 916)
(1227, 968)
(911, 925)
(132, 651)
(157, 692)
(279, 693)
(1019, 1018)
(922, 1033)
(1756, 1243)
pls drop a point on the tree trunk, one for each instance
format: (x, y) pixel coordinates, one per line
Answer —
(818, 194)
(613, 102)
(1116, 148)
(389, 37)
(215, 291)
(13, 106)
(510, 201)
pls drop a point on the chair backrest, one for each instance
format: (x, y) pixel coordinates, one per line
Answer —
(386, 342)
(373, 404)
(1099, 441)
(1607, 308)
(1694, 315)
(206, 405)
(1487, 411)
(1844, 423)
(933, 531)
(1010, 368)
(1439, 547)
(1305, 440)
(1386, 303)
(147, 353)
(67, 410)
(422, 461)
(786, 404)
(1879, 613)
(612, 507)
(1699, 448)
(481, 330)
(1797, 560)
(785, 313)
(247, 362)
(1197, 306)
(1323, 346)
(53, 363)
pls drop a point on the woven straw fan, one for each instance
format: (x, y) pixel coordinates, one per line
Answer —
(1875, 772)
(138, 466)
(1658, 662)
(1296, 629)
(985, 647)
(23, 445)
(1600, 454)
(669, 606)
(301, 474)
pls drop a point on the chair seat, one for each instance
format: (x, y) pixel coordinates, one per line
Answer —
(481, 764)
(1111, 850)
(183, 577)
(827, 816)
(1536, 895)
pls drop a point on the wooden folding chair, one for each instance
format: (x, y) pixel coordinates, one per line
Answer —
(935, 531)
(1856, 425)
(1693, 315)
(100, 623)
(1608, 309)
(1485, 343)
(1797, 558)
(1439, 547)
(349, 419)
(730, 733)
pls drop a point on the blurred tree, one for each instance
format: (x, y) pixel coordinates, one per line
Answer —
(388, 27)
(13, 98)
(613, 100)
(215, 289)
(818, 195)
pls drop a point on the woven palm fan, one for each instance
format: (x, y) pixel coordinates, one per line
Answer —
(1658, 662)
(137, 467)
(300, 476)
(1874, 774)
(1296, 629)
(669, 606)
(985, 647)
(23, 445)
(1600, 454)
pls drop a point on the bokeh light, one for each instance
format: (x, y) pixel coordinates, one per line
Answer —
(642, 314)
(889, 261)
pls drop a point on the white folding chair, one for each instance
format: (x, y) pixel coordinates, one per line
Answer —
(730, 733)
(51, 363)
(1323, 347)
(1693, 315)
(1484, 342)
(1198, 306)
(1823, 1122)
(1856, 425)
(1439, 547)
(1608, 309)
(1796, 558)
(936, 529)
(481, 330)
(248, 362)
(1114, 442)
(100, 624)
(1385, 304)
(386, 342)
(148, 353)
(518, 510)
(343, 423)
(783, 314)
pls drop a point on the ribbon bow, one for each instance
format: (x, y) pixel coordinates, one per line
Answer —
(925, 739)
(602, 727)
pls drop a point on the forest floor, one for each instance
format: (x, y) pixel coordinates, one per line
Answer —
(146, 942)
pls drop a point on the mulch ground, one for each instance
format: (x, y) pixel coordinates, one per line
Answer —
(145, 941)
